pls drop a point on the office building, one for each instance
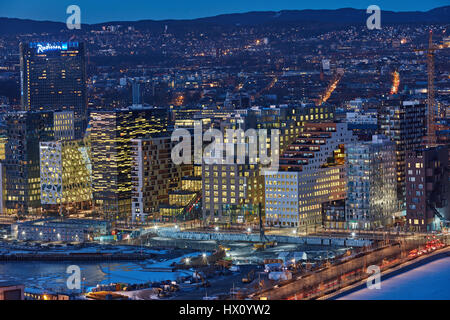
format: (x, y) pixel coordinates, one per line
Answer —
(136, 93)
(65, 176)
(312, 173)
(234, 192)
(64, 125)
(231, 192)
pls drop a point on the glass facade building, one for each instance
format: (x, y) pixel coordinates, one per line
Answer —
(65, 174)
(110, 137)
(404, 123)
(372, 186)
(24, 131)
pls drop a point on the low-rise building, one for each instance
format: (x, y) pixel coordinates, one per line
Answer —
(67, 230)
(333, 214)
(11, 291)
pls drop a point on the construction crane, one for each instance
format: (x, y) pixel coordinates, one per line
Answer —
(430, 138)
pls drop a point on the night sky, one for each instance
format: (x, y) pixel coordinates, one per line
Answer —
(94, 11)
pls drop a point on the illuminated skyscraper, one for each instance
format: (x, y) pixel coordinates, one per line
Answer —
(110, 137)
(24, 131)
(53, 77)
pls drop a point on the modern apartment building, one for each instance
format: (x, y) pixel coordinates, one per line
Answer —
(153, 175)
(372, 184)
(404, 123)
(427, 189)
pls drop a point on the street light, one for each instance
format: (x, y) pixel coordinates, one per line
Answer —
(216, 228)
(249, 230)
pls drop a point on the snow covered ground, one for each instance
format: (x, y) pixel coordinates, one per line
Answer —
(430, 281)
(136, 273)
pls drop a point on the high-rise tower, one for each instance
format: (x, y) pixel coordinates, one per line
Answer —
(53, 78)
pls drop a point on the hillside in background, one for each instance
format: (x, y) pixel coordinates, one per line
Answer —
(345, 16)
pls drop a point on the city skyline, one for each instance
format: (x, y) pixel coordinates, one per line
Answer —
(301, 155)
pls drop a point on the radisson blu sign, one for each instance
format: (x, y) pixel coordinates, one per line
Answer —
(53, 46)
